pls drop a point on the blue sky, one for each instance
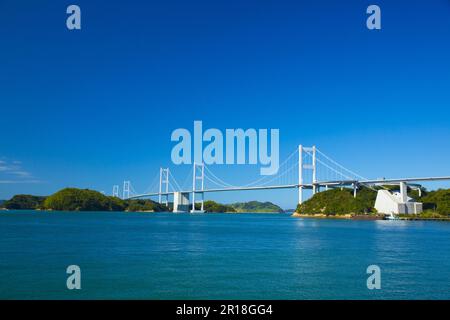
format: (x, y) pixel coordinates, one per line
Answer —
(93, 107)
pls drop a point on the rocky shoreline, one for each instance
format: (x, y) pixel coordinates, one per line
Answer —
(348, 216)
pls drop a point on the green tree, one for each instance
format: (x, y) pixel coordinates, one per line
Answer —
(438, 201)
(144, 205)
(212, 206)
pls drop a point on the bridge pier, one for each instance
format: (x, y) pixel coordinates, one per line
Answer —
(180, 202)
(404, 191)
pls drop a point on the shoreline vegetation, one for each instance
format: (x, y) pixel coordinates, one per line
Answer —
(73, 199)
(339, 216)
(240, 207)
(340, 204)
(331, 204)
(81, 200)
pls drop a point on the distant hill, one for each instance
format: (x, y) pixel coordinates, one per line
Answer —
(214, 207)
(241, 207)
(256, 206)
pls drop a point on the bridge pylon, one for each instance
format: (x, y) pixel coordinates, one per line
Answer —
(115, 192)
(164, 180)
(306, 166)
(126, 190)
(198, 174)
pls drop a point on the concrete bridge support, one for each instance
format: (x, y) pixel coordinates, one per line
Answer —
(181, 202)
(403, 192)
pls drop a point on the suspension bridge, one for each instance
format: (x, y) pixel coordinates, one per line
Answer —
(306, 168)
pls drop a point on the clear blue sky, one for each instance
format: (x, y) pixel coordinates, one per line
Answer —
(93, 107)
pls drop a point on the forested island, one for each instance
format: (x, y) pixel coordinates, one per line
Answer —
(240, 207)
(73, 199)
(341, 203)
(256, 206)
(338, 203)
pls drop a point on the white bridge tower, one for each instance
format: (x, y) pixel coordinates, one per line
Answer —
(115, 192)
(306, 166)
(126, 190)
(164, 180)
(198, 174)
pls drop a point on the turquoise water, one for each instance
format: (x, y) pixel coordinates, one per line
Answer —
(219, 256)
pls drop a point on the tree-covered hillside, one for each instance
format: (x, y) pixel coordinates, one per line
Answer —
(214, 207)
(256, 206)
(438, 201)
(339, 202)
(336, 201)
(24, 202)
(250, 207)
(72, 199)
(141, 205)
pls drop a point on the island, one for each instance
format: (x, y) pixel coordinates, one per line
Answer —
(340, 203)
(23, 202)
(74, 199)
(240, 207)
(256, 206)
(334, 203)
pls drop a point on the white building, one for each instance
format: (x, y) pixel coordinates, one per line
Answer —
(397, 202)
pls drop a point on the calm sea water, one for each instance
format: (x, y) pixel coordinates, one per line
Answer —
(218, 256)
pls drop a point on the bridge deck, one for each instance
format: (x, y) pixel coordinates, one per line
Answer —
(304, 186)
